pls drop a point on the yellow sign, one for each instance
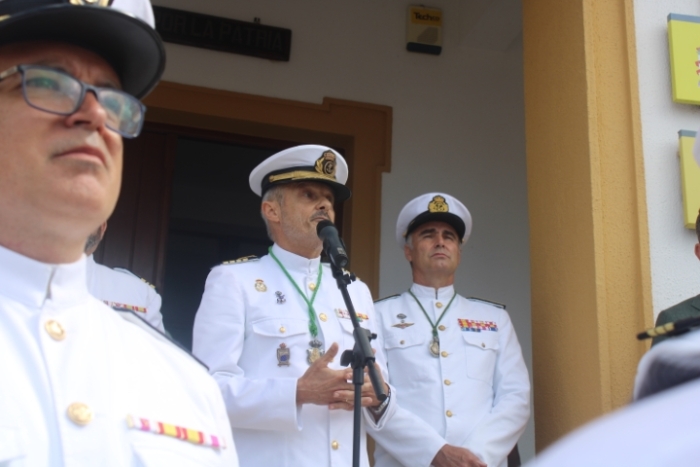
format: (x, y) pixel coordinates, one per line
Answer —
(426, 16)
(690, 178)
(684, 51)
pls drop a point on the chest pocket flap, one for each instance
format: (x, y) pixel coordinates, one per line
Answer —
(280, 327)
(481, 350)
(486, 340)
(403, 338)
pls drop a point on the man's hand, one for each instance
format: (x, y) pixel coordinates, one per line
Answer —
(319, 384)
(453, 456)
(369, 398)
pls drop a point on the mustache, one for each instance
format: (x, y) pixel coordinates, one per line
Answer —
(318, 215)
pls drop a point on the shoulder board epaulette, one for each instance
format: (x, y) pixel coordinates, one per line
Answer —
(126, 271)
(132, 317)
(674, 328)
(244, 259)
(488, 302)
(387, 298)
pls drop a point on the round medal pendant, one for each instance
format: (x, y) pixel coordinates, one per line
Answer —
(435, 348)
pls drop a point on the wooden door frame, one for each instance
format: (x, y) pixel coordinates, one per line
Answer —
(362, 130)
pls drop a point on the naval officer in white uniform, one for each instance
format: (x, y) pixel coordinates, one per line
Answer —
(121, 289)
(454, 361)
(81, 384)
(264, 324)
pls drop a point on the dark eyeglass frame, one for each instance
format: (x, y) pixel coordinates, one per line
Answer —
(84, 89)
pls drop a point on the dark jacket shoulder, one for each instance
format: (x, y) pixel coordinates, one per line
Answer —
(689, 308)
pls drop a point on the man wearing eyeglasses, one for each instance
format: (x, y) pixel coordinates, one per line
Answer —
(82, 384)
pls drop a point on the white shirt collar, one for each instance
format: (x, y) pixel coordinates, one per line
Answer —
(430, 293)
(32, 282)
(296, 263)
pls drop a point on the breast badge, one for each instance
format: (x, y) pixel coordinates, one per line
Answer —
(280, 297)
(283, 355)
(260, 285)
(403, 324)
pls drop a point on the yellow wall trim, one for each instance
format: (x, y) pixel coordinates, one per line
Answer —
(591, 285)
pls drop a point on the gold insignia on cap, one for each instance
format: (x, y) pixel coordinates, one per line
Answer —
(326, 164)
(438, 204)
(91, 2)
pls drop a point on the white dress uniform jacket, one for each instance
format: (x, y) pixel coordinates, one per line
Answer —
(121, 288)
(73, 370)
(475, 395)
(249, 312)
(658, 431)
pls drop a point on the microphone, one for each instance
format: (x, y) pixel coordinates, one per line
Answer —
(332, 244)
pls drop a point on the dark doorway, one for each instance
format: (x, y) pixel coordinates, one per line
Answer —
(214, 217)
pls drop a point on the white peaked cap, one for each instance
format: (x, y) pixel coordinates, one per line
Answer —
(433, 207)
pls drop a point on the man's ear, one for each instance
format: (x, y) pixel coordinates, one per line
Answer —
(271, 211)
(697, 250)
(103, 229)
(407, 252)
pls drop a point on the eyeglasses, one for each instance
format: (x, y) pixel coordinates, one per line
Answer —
(59, 93)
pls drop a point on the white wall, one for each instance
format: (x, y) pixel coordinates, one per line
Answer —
(458, 118)
(675, 270)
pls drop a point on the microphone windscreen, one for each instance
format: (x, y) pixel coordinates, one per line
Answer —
(322, 225)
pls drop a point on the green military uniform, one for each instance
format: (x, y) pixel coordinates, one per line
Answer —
(687, 309)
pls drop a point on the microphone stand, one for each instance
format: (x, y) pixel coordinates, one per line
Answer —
(359, 357)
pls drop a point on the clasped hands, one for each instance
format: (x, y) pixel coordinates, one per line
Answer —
(321, 385)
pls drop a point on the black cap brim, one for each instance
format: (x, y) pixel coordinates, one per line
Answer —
(448, 218)
(129, 45)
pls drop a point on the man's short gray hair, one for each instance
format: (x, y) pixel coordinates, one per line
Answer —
(276, 193)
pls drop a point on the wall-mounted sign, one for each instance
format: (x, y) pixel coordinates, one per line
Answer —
(684, 50)
(223, 34)
(424, 30)
(690, 178)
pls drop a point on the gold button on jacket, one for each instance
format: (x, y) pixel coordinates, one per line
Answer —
(79, 413)
(55, 330)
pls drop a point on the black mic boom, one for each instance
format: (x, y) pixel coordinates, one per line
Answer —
(332, 244)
